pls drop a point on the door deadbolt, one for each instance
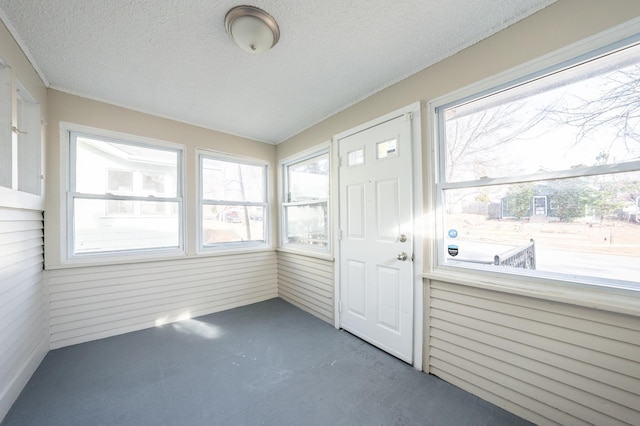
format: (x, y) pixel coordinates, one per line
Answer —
(402, 238)
(402, 256)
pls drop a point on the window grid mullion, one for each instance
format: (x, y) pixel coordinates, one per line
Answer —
(80, 195)
(607, 169)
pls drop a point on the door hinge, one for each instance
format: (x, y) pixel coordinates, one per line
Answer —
(408, 116)
(339, 234)
(340, 306)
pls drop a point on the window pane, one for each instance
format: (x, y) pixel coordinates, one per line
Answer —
(309, 179)
(387, 149)
(355, 158)
(6, 135)
(585, 116)
(154, 183)
(307, 224)
(229, 223)
(29, 142)
(119, 168)
(120, 181)
(231, 181)
(114, 225)
(120, 208)
(588, 226)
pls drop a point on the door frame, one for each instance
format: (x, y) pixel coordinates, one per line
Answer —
(413, 111)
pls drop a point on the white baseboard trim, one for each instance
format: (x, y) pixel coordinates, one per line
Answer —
(10, 393)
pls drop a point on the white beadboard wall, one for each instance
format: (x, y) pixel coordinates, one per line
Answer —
(23, 302)
(548, 362)
(89, 303)
(307, 282)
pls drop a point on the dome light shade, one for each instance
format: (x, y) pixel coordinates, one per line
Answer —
(253, 29)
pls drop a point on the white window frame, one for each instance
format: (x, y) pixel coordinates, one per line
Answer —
(67, 196)
(585, 292)
(234, 246)
(323, 149)
(29, 142)
(7, 156)
(21, 147)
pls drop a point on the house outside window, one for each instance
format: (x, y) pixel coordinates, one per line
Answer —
(112, 208)
(233, 202)
(545, 169)
(305, 202)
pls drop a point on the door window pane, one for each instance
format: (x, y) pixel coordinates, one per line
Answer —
(355, 158)
(387, 149)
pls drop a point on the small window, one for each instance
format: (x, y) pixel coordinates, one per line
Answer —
(20, 144)
(6, 135)
(233, 202)
(542, 176)
(305, 206)
(29, 143)
(387, 149)
(111, 208)
(355, 158)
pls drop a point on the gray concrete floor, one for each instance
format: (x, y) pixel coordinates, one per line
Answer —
(265, 364)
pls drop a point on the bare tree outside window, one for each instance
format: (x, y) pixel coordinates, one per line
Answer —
(556, 159)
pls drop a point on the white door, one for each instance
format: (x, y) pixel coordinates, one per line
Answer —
(376, 241)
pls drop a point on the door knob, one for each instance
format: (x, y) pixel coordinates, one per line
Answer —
(402, 256)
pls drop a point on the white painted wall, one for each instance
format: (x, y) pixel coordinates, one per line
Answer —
(89, 303)
(24, 321)
(546, 361)
(550, 361)
(24, 339)
(307, 282)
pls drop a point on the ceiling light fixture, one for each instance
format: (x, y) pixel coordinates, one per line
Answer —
(253, 29)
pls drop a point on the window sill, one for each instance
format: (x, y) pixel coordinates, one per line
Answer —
(20, 200)
(307, 253)
(618, 300)
(227, 251)
(164, 257)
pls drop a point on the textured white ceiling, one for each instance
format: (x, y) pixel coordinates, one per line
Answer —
(173, 58)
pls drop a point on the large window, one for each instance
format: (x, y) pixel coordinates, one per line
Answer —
(233, 202)
(542, 176)
(123, 196)
(305, 206)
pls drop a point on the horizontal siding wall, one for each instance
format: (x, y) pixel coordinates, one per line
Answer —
(547, 362)
(23, 302)
(307, 282)
(90, 303)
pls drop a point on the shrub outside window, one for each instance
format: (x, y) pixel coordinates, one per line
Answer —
(233, 202)
(305, 207)
(542, 176)
(110, 207)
